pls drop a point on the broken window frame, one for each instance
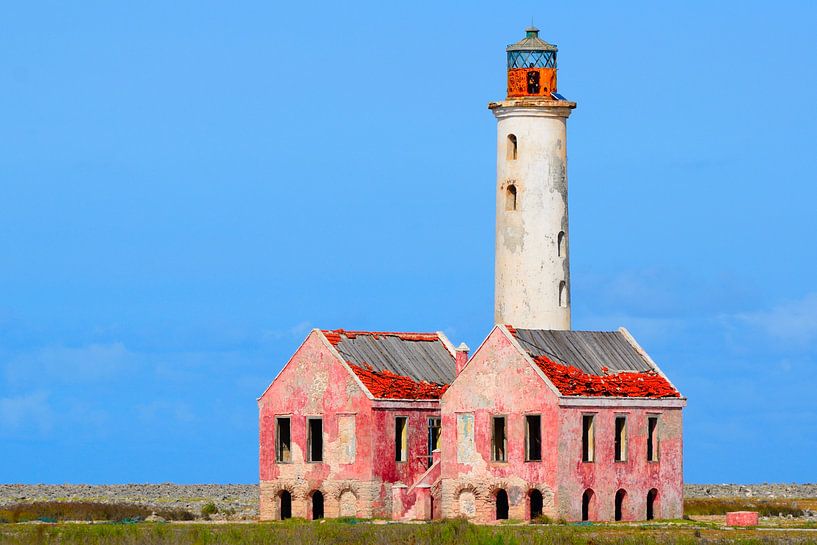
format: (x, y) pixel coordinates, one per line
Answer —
(588, 438)
(653, 442)
(620, 438)
(283, 456)
(528, 455)
(434, 434)
(494, 450)
(310, 458)
(401, 441)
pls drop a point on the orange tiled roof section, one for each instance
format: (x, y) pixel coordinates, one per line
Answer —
(383, 383)
(573, 382)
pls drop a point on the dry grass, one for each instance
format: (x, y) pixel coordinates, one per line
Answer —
(453, 532)
(766, 507)
(85, 511)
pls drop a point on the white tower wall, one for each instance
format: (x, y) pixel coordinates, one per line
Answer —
(532, 277)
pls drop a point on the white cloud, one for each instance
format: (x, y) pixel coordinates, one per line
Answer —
(26, 414)
(89, 363)
(792, 321)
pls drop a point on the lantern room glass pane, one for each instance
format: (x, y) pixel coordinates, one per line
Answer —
(531, 59)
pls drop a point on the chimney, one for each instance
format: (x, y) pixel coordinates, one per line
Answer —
(461, 357)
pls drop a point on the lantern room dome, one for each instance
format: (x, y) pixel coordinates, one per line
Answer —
(531, 42)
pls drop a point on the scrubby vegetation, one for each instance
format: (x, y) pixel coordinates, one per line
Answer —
(766, 507)
(329, 532)
(56, 511)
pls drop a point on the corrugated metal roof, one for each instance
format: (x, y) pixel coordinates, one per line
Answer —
(588, 351)
(426, 360)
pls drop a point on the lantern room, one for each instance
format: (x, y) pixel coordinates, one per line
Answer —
(532, 67)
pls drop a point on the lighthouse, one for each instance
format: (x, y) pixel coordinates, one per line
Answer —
(532, 268)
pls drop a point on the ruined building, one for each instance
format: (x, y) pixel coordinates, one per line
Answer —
(540, 420)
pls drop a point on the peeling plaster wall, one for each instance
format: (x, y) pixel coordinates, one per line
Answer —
(359, 464)
(636, 475)
(497, 381)
(387, 469)
(529, 268)
(314, 383)
(500, 381)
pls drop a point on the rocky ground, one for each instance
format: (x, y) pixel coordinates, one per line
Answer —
(764, 490)
(240, 501)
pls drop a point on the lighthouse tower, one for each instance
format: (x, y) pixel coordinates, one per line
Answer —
(532, 274)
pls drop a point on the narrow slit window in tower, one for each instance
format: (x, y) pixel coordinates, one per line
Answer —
(562, 294)
(560, 245)
(512, 147)
(510, 197)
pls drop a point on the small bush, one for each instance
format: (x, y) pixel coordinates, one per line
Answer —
(541, 519)
(208, 509)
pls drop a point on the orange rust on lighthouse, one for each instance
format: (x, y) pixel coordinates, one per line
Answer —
(531, 67)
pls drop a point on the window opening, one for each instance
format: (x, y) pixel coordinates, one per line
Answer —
(652, 495)
(283, 451)
(317, 505)
(533, 438)
(434, 429)
(587, 438)
(536, 503)
(498, 442)
(652, 439)
(587, 498)
(512, 147)
(501, 505)
(562, 294)
(621, 438)
(401, 438)
(285, 499)
(315, 440)
(510, 197)
(560, 244)
(620, 496)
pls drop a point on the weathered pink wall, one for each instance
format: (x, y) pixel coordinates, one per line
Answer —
(386, 468)
(636, 475)
(498, 381)
(315, 383)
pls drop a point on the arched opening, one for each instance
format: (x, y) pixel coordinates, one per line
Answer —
(621, 495)
(285, 504)
(562, 294)
(348, 504)
(587, 504)
(560, 245)
(536, 503)
(652, 503)
(317, 505)
(501, 505)
(468, 503)
(510, 197)
(512, 147)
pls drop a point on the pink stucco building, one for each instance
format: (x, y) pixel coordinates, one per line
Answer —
(541, 420)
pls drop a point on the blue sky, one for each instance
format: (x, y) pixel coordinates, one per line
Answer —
(187, 188)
